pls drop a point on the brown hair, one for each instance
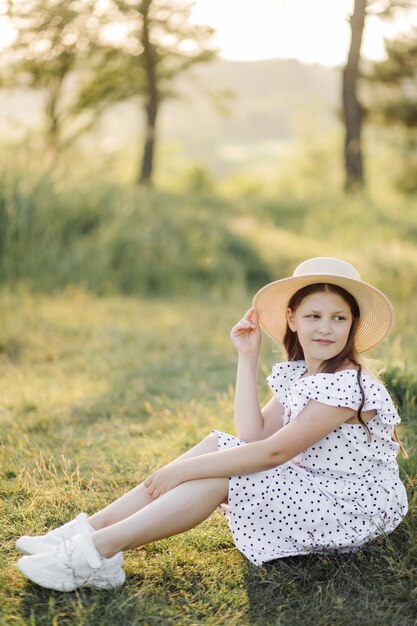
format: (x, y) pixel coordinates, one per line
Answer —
(348, 353)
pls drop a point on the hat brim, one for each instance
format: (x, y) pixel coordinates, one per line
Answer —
(376, 311)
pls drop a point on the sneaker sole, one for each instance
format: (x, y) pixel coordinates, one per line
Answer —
(95, 583)
(106, 583)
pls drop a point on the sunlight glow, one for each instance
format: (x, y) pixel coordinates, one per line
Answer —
(312, 31)
(7, 33)
(115, 33)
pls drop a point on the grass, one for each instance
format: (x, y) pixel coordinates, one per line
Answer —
(95, 393)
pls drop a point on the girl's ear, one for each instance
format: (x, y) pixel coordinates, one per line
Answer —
(290, 320)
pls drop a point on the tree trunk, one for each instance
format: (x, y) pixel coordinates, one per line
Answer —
(146, 169)
(152, 103)
(53, 128)
(352, 110)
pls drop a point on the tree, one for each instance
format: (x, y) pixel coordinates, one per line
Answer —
(65, 49)
(54, 40)
(393, 100)
(160, 44)
(352, 110)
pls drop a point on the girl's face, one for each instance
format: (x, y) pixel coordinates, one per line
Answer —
(322, 322)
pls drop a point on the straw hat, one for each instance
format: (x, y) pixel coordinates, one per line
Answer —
(376, 312)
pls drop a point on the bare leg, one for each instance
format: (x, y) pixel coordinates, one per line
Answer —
(137, 498)
(176, 511)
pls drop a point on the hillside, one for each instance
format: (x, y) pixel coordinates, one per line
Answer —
(264, 97)
(267, 103)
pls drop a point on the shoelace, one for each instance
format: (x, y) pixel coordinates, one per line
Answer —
(78, 544)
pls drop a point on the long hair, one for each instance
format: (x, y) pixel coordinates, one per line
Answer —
(348, 353)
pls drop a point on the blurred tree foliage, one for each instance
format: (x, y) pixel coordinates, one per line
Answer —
(55, 40)
(393, 101)
(85, 55)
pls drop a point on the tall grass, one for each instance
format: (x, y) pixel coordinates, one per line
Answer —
(110, 239)
(114, 239)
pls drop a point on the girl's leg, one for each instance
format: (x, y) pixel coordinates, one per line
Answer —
(178, 510)
(137, 498)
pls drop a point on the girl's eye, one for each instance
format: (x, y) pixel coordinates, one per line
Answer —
(314, 316)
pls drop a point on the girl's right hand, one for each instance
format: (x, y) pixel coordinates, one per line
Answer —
(246, 334)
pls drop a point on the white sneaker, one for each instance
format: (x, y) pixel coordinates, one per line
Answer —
(41, 543)
(72, 564)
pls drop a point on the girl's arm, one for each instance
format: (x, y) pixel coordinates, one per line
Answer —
(251, 423)
(314, 422)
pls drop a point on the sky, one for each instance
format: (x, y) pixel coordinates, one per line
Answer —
(313, 31)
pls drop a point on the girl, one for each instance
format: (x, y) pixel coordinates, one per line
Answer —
(314, 470)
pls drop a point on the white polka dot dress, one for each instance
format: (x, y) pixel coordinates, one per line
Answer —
(336, 495)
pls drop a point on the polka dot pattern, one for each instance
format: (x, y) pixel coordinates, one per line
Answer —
(336, 495)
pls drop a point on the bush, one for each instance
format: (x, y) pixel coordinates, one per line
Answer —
(403, 386)
(110, 239)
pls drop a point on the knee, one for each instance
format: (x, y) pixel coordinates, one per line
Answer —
(212, 441)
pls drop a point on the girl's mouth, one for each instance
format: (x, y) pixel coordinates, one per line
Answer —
(323, 342)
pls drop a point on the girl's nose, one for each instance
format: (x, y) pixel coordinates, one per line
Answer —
(324, 327)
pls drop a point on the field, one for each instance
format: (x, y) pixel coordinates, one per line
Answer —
(115, 357)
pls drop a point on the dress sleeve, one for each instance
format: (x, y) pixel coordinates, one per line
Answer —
(377, 397)
(281, 377)
(341, 389)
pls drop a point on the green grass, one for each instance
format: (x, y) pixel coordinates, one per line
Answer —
(97, 392)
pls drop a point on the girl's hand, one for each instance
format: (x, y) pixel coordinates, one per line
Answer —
(164, 480)
(246, 334)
